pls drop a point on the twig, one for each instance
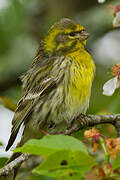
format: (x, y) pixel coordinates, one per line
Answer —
(84, 121)
(81, 122)
(12, 165)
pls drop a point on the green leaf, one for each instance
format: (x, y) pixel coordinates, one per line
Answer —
(29, 176)
(66, 164)
(116, 162)
(52, 143)
(64, 157)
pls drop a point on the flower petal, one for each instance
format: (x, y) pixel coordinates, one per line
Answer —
(101, 1)
(110, 86)
(116, 20)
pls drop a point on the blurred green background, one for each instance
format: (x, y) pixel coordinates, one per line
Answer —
(23, 23)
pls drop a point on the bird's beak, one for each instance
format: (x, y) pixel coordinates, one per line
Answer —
(85, 35)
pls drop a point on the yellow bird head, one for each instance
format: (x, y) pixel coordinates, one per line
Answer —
(65, 36)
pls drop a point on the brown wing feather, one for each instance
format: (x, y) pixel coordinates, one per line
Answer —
(37, 83)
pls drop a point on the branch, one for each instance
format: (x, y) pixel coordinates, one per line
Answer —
(84, 121)
(12, 165)
(81, 122)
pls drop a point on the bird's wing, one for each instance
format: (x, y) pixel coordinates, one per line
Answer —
(36, 85)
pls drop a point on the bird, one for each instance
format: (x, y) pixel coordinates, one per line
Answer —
(57, 86)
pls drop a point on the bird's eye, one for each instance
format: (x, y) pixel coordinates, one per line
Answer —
(82, 30)
(72, 34)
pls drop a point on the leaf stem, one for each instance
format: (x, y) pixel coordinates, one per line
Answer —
(102, 143)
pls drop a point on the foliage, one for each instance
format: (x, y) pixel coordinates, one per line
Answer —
(64, 157)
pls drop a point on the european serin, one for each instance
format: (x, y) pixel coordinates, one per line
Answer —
(57, 86)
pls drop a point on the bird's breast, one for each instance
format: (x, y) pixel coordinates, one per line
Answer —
(78, 89)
